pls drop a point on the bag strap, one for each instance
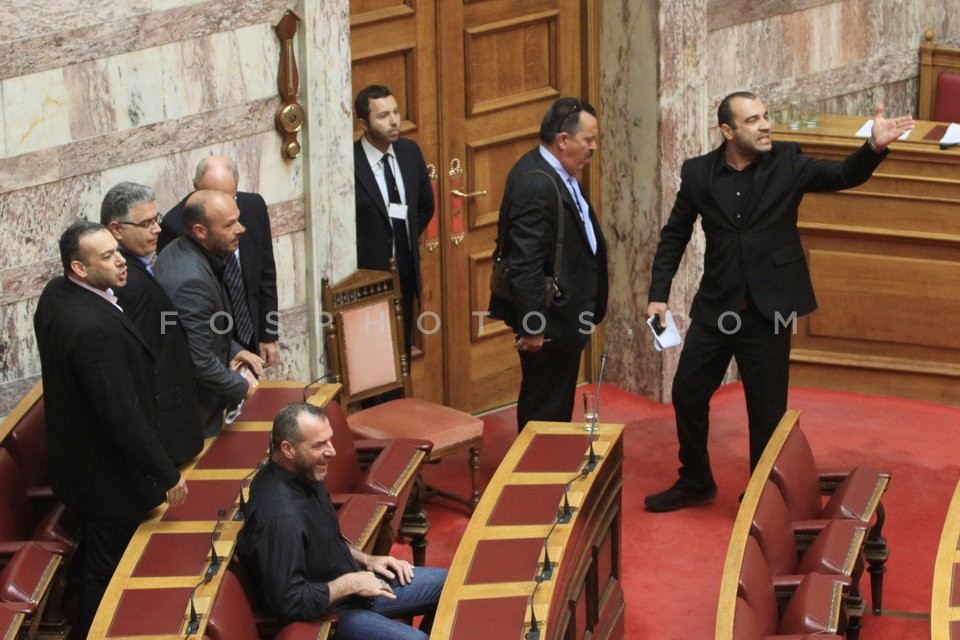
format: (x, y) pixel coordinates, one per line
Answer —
(558, 249)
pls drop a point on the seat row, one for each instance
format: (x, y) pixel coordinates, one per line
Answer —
(801, 542)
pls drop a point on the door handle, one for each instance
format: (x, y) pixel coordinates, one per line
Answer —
(472, 194)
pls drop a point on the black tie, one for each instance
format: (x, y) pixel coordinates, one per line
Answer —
(233, 278)
(401, 241)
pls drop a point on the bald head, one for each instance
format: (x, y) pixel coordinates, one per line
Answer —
(213, 220)
(217, 173)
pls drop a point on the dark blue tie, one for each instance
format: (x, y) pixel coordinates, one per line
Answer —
(233, 278)
(401, 240)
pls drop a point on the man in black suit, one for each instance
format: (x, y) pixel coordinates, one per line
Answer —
(393, 195)
(129, 211)
(191, 269)
(107, 463)
(755, 278)
(550, 339)
(253, 289)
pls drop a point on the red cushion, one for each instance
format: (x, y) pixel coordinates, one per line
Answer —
(946, 105)
(415, 418)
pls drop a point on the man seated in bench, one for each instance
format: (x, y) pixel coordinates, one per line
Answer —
(292, 545)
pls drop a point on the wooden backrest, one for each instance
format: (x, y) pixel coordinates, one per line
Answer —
(363, 327)
(729, 582)
(939, 69)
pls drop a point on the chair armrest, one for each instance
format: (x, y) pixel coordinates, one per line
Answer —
(396, 465)
(340, 499)
(375, 445)
(9, 548)
(309, 630)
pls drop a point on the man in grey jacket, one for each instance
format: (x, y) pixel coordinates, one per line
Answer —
(190, 270)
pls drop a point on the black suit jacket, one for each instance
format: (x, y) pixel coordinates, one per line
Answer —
(150, 309)
(374, 229)
(763, 251)
(256, 260)
(105, 457)
(528, 214)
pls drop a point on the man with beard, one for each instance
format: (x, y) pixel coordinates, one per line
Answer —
(291, 542)
(755, 278)
(394, 197)
(107, 464)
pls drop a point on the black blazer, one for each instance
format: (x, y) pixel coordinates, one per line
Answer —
(374, 230)
(105, 457)
(529, 213)
(256, 260)
(178, 413)
(763, 251)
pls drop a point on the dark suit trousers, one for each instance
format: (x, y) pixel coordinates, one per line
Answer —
(549, 383)
(102, 544)
(763, 358)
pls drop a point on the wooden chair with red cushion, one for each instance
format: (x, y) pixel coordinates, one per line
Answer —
(939, 98)
(28, 580)
(364, 337)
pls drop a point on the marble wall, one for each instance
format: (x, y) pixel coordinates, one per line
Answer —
(665, 72)
(93, 93)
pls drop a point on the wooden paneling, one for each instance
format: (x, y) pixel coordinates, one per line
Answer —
(885, 259)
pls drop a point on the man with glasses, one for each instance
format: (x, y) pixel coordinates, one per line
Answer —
(551, 335)
(129, 211)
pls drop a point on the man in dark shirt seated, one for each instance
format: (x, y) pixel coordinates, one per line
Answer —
(291, 542)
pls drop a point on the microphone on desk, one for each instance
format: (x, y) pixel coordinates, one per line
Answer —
(547, 571)
(215, 560)
(534, 632)
(193, 624)
(594, 458)
(239, 515)
(326, 375)
(563, 515)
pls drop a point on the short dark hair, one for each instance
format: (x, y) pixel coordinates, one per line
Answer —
(121, 198)
(361, 105)
(559, 117)
(70, 242)
(725, 111)
(286, 426)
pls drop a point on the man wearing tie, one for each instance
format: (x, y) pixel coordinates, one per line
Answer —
(106, 463)
(394, 197)
(550, 338)
(129, 211)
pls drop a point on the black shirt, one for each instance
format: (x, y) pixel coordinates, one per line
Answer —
(732, 188)
(291, 542)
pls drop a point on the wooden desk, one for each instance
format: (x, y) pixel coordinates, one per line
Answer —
(885, 260)
(494, 571)
(945, 600)
(149, 595)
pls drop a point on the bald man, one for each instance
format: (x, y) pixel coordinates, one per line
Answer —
(256, 284)
(191, 270)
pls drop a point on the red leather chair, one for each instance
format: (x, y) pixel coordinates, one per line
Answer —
(17, 523)
(231, 617)
(813, 602)
(747, 627)
(836, 551)
(365, 351)
(27, 444)
(854, 495)
(946, 105)
(391, 477)
(27, 581)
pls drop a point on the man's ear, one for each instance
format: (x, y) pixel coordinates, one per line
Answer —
(727, 131)
(199, 231)
(114, 228)
(79, 269)
(286, 450)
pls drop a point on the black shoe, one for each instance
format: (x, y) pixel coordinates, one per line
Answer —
(679, 496)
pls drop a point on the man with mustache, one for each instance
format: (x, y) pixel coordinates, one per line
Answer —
(551, 337)
(106, 462)
(394, 198)
(755, 279)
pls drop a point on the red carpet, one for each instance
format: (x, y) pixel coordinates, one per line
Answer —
(673, 561)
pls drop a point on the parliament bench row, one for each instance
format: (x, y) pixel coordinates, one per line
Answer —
(800, 543)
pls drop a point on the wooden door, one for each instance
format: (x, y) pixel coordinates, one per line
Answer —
(477, 77)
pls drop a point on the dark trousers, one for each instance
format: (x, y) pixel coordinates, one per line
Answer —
(102, 544)
(762, 352)
(549, 383)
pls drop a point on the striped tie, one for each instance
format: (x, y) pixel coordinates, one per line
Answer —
(242, 325)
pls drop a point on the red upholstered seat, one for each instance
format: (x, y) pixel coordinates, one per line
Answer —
(854, 495)
(27, 580)
(231, 617)
(746, 627)
(946, 105)
(27, 444)
(365, 351)
(16, 517)
(813, 604)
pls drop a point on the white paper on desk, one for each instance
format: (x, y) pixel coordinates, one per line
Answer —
(952, 136)
(865, 130)
(670, 336)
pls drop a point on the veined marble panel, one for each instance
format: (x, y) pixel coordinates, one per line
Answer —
(18, 344)
(13, 391)
(288, 252)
